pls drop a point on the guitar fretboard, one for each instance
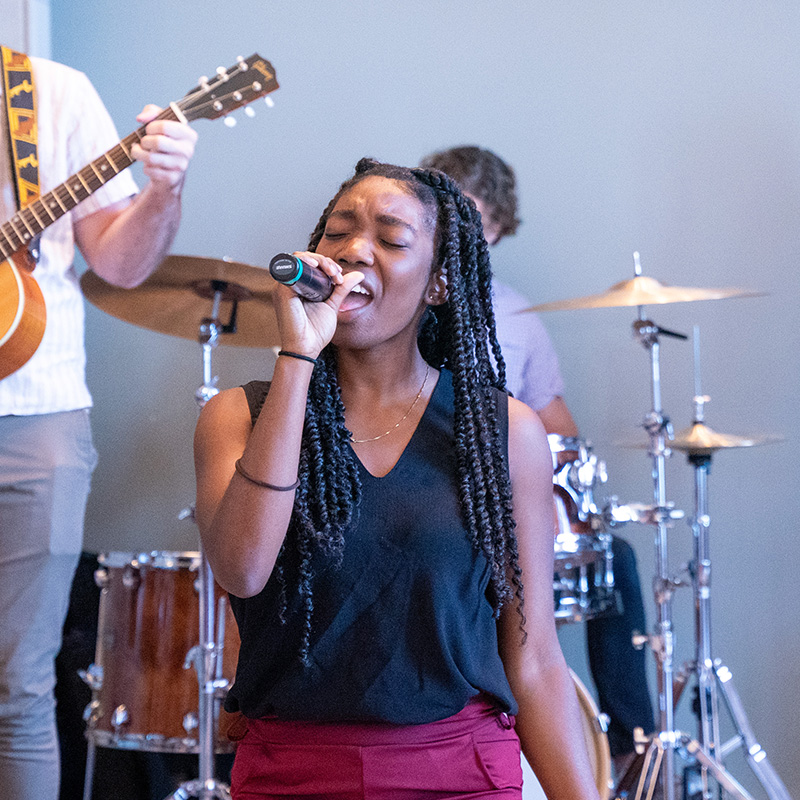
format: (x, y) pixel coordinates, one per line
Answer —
(35, 217)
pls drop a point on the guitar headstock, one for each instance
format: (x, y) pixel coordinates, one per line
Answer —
(245, 81)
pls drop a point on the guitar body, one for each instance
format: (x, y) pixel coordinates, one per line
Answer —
(22, 313)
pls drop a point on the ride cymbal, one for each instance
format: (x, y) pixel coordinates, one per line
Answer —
(641, 291)
(179, 295)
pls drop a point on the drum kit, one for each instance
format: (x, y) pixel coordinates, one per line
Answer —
(150, 603)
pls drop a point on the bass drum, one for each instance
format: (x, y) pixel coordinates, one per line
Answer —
(144, 685)
(596, 743)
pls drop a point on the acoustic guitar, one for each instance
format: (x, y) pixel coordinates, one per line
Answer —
(22, 307)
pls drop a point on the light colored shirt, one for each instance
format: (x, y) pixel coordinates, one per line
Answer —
(74, 128)
(532, 372)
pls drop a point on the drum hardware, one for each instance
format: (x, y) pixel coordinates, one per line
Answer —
(578, 476)
(583, 580)
(175, 300)
(659, 749)
(713, 678)
(207, 656)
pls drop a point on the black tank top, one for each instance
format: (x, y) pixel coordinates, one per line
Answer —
(403, 629)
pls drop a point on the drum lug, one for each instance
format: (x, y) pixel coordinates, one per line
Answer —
(120, 717)
(130, 577)
(190, 721)
(92, 677)
(220, 687)
(91, 713)
(603, 721)
(101, 578)
(193, 658)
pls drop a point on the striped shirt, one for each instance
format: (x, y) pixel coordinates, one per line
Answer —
(74, 129)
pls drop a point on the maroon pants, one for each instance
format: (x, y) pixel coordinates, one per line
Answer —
(474, 754)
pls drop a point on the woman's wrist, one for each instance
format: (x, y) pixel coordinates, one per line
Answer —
(287, 353)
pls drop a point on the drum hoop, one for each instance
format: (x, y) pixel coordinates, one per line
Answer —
(157, 559)
(561, 444)
(152, 743)
(602, 751)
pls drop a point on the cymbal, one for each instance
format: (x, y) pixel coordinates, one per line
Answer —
(179, 295)
(641, 291)
(702, 440)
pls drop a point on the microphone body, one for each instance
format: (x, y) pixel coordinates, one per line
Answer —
(309, 282)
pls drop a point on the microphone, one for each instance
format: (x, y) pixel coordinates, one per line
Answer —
(309, 282)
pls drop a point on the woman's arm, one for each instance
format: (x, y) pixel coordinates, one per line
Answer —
(242, 523)
(548, 723)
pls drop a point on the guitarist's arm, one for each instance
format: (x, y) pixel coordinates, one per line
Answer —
(124, 242)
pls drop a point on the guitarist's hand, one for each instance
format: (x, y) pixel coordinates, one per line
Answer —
(165, 150)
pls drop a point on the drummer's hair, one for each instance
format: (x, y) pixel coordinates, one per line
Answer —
(482, 174)
(459, 335)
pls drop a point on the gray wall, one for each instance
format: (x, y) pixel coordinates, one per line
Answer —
(672, 129)
(26, 25)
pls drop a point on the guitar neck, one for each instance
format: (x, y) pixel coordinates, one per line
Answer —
(230, 89)
(35, 217)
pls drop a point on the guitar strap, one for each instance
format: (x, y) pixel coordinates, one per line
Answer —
(20, 102)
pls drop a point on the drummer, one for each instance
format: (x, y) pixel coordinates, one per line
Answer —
(533, 376)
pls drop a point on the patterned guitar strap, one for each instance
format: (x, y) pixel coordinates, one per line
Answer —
(20, 106)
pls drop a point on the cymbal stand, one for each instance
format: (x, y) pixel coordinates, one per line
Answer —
(207, 655)
(660, 754)
(660, 748)
(711, 674)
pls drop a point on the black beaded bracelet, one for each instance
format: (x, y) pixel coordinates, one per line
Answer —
(264, 484)
(297, 355)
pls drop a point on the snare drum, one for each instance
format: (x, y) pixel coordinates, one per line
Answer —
(144, 685)
(583, 583)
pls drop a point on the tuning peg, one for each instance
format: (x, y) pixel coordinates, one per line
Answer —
(269, 101)
(223, 73)
(242, 63)
(230, 121)
(249, 111)
(203, 82)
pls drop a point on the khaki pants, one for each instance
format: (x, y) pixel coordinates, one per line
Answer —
(46, 463)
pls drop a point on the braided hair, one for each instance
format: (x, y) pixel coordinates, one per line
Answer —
(459, 335)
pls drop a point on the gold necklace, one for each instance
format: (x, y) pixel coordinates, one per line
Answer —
(403, 418)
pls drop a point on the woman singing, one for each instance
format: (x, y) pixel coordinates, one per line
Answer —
(381, 514)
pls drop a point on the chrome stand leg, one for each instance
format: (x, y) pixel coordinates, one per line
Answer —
(207, 658)
(756, 756)
(88, 778)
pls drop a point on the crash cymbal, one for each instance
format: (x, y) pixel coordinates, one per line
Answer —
(700, 440)
(641, 291)
(179, 295)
